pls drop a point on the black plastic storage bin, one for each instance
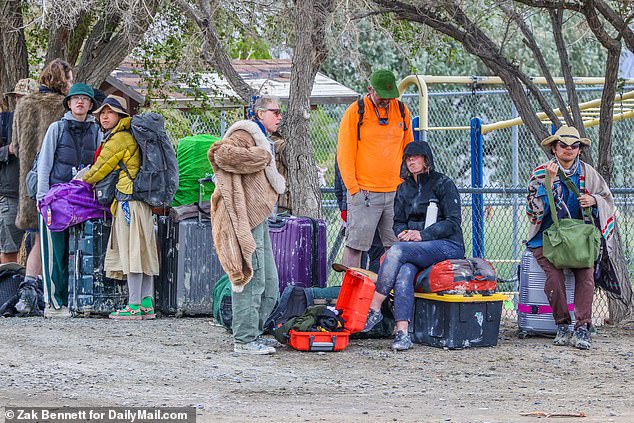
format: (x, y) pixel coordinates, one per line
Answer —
(456, 321)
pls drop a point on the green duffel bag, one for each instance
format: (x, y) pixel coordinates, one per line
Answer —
(222, 302)
(193, 164)
(570, 243)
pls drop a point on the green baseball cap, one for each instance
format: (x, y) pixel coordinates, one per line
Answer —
(384, 83)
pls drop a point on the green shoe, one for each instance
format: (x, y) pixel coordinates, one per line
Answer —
(147, 309)
(130, 312)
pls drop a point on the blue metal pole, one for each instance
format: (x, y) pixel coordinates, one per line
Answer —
(477, 200)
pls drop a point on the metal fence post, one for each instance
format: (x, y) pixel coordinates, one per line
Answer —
(515, 182)
(477, 198)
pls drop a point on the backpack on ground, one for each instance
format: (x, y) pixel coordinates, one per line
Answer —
(361, 110)
(293, 302)
(157, 180)
(222, 302)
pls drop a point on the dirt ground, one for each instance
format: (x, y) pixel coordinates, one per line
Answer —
(189, 362)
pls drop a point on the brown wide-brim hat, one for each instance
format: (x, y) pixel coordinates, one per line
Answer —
(565, 134)
(116, 103)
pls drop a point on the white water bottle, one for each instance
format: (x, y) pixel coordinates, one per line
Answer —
(432, 214)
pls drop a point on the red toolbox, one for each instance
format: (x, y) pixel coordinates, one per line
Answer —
(353, 302)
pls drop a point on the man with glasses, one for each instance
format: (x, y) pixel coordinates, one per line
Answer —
(68, 146)
(372, 136)
(565, 147)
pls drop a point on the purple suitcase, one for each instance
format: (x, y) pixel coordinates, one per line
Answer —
(299, 248)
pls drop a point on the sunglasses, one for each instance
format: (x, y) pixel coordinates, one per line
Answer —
(574, 146)
(276, 112)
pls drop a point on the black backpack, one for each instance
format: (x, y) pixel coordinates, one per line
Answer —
(361, 107)
(157, 180)
(293, 302)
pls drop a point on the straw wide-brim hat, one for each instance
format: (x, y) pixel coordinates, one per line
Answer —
(565, 134)
(116, 103)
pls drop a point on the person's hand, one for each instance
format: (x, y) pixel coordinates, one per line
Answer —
(344, 215)
(409, 235)
(11, 149)
(552, 170)
(586, 200)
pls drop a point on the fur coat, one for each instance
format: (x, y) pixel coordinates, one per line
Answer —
(247, 187)
(33, 115)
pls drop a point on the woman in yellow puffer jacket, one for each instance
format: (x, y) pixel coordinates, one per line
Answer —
(132, 245)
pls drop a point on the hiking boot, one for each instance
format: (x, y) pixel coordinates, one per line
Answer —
(269, 342)
(563, 336)
(57, 313)
(253, 347)
(581, 338)
(130, 312)
(147, 309)
(402, 341)
(374, 318)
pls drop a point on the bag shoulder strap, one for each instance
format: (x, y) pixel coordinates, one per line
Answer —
(401, 108)
(572, 187)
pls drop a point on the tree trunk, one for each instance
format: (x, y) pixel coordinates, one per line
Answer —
(13, 54)
(105, 49)
(311, 18)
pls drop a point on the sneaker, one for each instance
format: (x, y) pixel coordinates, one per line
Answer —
(253, 347)
(563, 336)
(269, 342)
(57, 313)
(402, 341)
(27, 301)
(581, 338)
(374, 317)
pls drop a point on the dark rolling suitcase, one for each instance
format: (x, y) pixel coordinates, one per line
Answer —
(189, 266)
(90, 292)
(534, 314)
(299, 248)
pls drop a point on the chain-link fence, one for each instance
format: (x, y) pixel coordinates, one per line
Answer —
(510, 155)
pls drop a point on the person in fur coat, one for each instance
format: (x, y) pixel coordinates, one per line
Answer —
(33, 115)
(247, 188)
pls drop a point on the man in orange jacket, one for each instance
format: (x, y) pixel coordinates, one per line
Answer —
(370, 152)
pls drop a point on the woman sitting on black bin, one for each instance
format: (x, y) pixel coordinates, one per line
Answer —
(419, 246)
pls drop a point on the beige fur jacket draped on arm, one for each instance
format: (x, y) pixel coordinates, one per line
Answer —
(247, 187)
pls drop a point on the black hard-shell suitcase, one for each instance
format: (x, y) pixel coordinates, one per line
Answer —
(189, 266)
(534, 315)
(89, 290)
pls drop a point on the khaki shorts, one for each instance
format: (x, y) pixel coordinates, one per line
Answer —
(365, 217)
(10, 235)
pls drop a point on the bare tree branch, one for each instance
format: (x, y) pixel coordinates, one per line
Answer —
(213, 52)
(556, 20)
(531, 43)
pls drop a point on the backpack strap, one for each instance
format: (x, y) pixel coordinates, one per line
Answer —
(401, 108)
(361, 107)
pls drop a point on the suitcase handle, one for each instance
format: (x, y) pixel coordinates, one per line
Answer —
(321, 346)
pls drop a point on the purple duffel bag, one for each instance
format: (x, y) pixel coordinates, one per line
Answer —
(68, 204)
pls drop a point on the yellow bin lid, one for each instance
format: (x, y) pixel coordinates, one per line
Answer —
(453, 298)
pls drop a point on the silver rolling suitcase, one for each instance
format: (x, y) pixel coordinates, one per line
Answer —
(534, 314)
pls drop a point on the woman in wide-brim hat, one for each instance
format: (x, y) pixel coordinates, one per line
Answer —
(565, 146)
(131, 248)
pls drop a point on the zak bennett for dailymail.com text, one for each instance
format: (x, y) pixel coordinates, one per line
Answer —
(78, 415)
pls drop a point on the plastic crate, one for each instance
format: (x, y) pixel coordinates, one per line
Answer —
(456, 321)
